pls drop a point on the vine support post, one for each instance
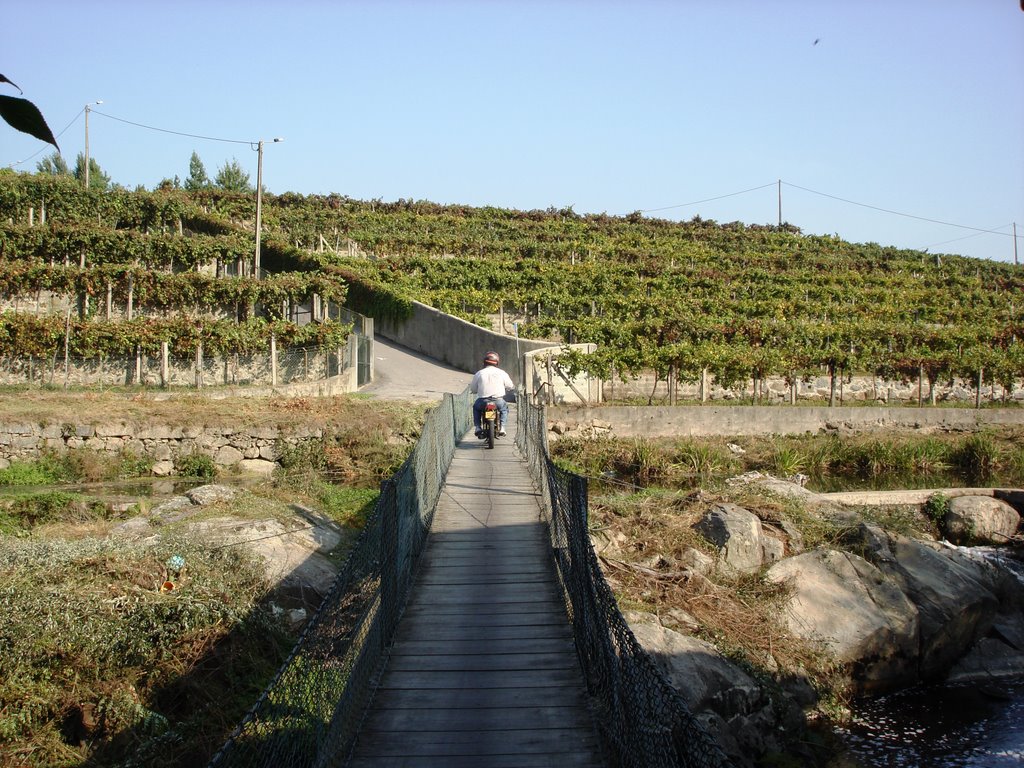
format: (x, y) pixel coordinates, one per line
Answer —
(199, 366)
(164, 366)
(67, 346)
(273, 360)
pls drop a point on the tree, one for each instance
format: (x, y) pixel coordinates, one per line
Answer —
(98, 180)
(197, 178)
(54, 165)
(231, 177)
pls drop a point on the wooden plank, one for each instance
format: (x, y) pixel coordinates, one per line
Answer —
(481, 610)
(564, 760)
(431, 647)
(486, 593)
(478, 698)
(456, 679)
(475, 719)
(476, 632)
(563, 742)
(484, 662)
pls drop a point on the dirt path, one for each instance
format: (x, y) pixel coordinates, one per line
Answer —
(401, 374)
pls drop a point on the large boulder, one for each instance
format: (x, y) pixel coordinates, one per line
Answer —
(741, 541)
(955, 595)
(864, 619)
(735, 709)
(980, 520)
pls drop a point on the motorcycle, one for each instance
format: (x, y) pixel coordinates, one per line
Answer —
(490, 423)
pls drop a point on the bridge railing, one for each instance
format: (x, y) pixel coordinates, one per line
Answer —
(310, 714)
(642, 719)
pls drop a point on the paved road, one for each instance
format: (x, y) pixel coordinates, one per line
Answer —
(401, 374)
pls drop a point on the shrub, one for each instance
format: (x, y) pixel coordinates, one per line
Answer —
(935, 509)
(977, 456)
(39, 472)
(196, 464)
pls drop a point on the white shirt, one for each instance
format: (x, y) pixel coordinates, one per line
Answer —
(490, 381)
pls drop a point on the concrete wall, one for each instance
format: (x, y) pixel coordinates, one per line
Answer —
(709, 420)
(548, 383)
(459, 343)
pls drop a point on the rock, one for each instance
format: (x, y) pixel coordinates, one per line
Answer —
(136, 527)
(680, 620)
(174, 509)
(990, 658)
(227, 456)
(697, 561)
(737, 534)
(210, 494)
(955, 594)
(863, 618)
(257, 466)
(738, 713)
(294, 557)
(980, 520)
(163, 468)
(774, 549)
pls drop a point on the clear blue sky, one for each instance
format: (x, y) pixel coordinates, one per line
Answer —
(915, 106)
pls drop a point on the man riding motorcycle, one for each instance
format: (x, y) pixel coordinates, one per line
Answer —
(490, 382)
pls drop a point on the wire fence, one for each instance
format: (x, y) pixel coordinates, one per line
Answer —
(311, 712)
(642, 719)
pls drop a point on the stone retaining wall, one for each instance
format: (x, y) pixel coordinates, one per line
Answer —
(856, 389)
(254, 450)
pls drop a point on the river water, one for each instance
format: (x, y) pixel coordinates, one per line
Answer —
(961, 726)
(976, 725)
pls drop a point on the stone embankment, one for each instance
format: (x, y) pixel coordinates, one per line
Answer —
(254, 449)
(891, 610)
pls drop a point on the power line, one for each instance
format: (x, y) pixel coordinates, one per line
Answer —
(176, 133)
(898, 213)
(966, 237)
(45, 146)
(710, 199)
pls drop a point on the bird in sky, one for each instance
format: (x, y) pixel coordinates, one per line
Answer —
(818, 39)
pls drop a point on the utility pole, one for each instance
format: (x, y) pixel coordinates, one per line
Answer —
(259, 203)
(259, 208)
(780, 202)
(1015, 262)
(88, 108)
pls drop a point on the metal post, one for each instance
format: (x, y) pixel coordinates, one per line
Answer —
(259, 207)
(87, 110)
(87, 147)
(780, 202)
(259, 203)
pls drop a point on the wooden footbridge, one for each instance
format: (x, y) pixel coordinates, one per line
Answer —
(483, 671)
(446, 639)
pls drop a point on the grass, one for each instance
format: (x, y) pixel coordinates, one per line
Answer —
(100, 667)
(990, 456)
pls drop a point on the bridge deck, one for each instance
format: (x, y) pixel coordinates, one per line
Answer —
(483, 672)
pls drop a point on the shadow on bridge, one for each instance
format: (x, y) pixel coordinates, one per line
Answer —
(483, 671)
